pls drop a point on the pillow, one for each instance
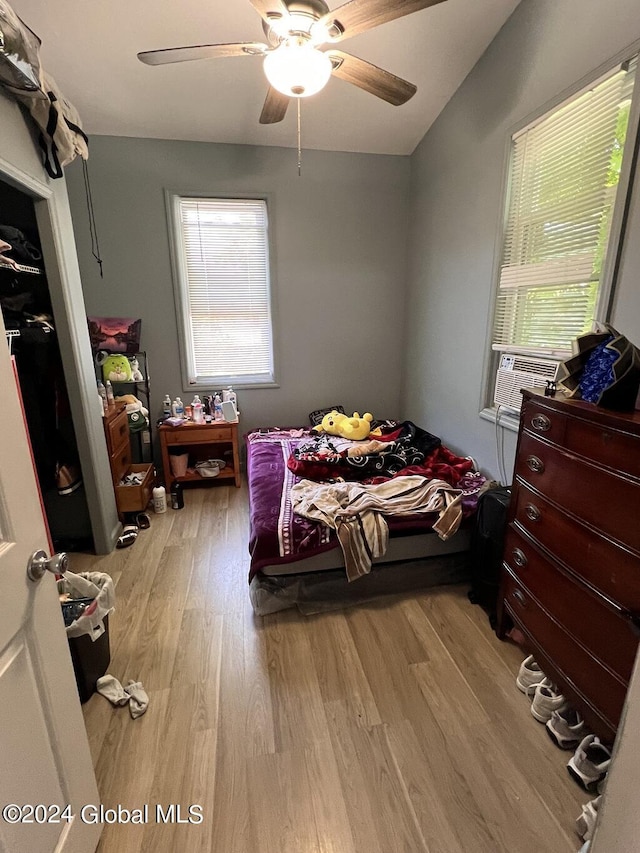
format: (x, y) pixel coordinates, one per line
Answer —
(315, 418)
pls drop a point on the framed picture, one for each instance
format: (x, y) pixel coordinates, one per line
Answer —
(116, 334)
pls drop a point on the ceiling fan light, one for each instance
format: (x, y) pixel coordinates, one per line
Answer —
(297, 70)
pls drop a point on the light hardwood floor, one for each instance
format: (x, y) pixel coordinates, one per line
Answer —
(392, 727)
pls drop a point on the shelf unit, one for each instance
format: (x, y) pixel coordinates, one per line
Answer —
(141, 441)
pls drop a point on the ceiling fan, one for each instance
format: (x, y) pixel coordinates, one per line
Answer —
(298, 55)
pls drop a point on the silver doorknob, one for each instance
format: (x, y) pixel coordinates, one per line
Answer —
(39, 564)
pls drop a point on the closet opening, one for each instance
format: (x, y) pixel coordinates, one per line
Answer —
(30, 326)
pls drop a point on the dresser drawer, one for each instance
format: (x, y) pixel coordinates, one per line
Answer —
(120, 461)
(604, 500)
(603, 445)
(136, 498)
(117, 431)
(543, 421)
(196, 435)
(597, 685)
(611, 447)
(605, 565)
(581, 613)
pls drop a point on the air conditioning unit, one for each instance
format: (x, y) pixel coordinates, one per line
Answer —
(520, 371)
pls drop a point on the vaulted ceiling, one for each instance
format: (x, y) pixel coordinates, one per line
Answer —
(90, 49)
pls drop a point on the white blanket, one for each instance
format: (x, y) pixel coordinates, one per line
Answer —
(355, 511)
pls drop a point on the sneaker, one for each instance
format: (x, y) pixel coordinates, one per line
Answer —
(546, 700)
(586, 823)
(590, 762)
(566, 728)
(529, 675)
(68, 478)
(128, 536)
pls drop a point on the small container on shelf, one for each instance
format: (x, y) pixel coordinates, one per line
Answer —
(217, 408)
(197, 410)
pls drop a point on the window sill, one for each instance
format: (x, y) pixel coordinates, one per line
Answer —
(218, 383)
(508, 420)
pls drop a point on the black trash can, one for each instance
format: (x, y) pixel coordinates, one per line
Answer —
(90, 660)
(86, 599)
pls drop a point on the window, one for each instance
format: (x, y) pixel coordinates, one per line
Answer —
(564, 175)
(221, 262)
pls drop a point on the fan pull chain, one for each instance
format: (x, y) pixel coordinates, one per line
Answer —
(299, 143)
(93, 231)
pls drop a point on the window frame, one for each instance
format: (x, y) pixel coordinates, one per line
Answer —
(615, 246)
(179, 277)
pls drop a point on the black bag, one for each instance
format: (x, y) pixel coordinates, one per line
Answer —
(487, 543)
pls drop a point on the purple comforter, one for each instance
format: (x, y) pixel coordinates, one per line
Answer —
(277, 534)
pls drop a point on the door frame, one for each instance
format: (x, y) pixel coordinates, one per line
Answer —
(51, 204)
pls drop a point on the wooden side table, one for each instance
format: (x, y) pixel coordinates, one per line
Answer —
(201, 441)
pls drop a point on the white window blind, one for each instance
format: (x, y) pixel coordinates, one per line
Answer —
(563, 180)
(225, 289)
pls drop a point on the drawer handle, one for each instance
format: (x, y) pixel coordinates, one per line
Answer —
(541, 422)
(532, 512)
(519, 597)
(535, 464)
(519, 557)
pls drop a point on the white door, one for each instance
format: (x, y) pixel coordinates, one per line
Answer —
(46, 764)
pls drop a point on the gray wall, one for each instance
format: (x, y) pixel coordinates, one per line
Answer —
(456, 207)
(340, 238)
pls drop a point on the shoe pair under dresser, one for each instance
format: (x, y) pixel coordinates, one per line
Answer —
(571, 568)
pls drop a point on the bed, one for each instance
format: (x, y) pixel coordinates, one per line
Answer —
(299, 561)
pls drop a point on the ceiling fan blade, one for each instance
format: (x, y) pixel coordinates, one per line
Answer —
(357, 16)
(201, 51)
(275, 107)
(270, 9)
(394, 90)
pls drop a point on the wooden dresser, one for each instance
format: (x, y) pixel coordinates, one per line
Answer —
(571, 570)
(129, 499)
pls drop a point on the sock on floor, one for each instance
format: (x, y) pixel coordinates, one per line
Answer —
(109, 687)
(138, 699)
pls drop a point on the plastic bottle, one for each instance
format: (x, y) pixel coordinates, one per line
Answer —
(109, 389)
(102, 391)
(217, 408)
(166, 407)
(229, 395)
(179, 408)
(174, 408)
(197, 410)
(177, 498)
(159, 499)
